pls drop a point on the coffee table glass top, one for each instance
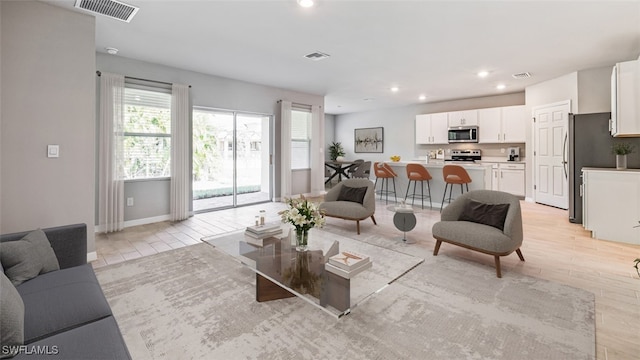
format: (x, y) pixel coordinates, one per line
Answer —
(303, 273)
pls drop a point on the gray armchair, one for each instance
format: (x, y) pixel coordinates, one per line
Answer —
(479, 237)
(336, 206)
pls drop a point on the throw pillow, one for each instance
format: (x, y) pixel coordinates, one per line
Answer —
(352, 194)
(487, 214)
(28, 257)
(11, 318)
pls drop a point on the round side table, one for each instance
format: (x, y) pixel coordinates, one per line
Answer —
(404, 220)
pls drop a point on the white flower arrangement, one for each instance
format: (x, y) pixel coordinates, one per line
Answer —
(303, 214)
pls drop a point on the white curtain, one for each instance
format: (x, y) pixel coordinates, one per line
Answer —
(285, 149)
(180, 196)
(317, 156)
(110, 172)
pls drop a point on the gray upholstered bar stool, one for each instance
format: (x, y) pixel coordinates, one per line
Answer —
(415, 173)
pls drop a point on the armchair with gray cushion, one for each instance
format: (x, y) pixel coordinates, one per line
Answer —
(477, 221)
(351, 199)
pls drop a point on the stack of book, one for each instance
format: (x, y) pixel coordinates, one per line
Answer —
(348, 264)
(258, 233)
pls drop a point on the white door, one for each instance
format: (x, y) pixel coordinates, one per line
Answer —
(551, 178)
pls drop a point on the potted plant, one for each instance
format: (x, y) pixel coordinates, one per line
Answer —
(336, 150)
(622, 149)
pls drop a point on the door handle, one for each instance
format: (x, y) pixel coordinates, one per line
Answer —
(564, 156)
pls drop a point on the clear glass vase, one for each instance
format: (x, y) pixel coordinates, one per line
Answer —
(621, 162)
(302, 236)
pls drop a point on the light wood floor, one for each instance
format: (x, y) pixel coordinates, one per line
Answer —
(554, 249)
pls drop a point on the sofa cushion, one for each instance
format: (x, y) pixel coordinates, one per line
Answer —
(353, 194)
(28, 257)
(99, 340)
(487, 214)
(345, 209)
(11, 317)
(61, 300)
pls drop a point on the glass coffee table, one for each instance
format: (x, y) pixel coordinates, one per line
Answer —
(283, 272)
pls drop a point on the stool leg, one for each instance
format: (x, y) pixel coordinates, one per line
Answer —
(462, 190)
(450, 191)
(421, 193)
(395, 195)
(429, 188)
(413, 198)
(407, 193)
(444, 195)
(467, 184)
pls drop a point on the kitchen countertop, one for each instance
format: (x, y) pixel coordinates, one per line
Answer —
(610, 169)
(439, 164)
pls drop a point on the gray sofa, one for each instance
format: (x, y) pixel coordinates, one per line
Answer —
(66, 315)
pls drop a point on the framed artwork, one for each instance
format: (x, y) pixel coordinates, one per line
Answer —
(369, 140)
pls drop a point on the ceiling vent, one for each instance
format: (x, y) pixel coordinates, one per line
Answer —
(316, 56)
(111, 8)
(523, 75)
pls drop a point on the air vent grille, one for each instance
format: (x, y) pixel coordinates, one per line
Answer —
(111, 8)
(315, 56)
(523, 75)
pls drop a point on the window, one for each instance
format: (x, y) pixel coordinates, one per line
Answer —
(147, 133)
(300, 139)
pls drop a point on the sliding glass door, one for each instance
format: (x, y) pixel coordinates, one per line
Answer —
(231, 159)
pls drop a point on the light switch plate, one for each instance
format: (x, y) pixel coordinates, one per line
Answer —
(53, 151)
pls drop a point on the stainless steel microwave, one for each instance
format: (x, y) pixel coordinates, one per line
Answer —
(462, 134)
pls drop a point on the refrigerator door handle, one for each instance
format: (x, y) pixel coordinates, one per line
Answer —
(564, 156)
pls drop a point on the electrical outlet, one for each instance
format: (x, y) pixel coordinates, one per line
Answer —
(503, 150)
(129, 201)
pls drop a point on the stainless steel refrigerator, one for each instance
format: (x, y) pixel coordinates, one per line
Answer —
(590, 146)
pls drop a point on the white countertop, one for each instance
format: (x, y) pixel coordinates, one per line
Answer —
(611, 170)
(438, 164)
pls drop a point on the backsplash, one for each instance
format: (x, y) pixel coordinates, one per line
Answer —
(488, 150)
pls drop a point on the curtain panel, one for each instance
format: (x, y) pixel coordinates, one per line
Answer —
(180, 194)
(110, 172)
(285, 149)
(317, 156)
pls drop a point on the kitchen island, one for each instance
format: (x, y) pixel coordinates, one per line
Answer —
(480, 179)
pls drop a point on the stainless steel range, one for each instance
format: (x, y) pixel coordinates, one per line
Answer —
(468, 156)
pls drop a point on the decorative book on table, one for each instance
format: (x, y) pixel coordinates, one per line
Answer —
(347, 274)
(260, 241)
(349, 260)
(257, 234)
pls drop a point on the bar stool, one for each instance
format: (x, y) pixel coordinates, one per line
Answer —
(415, 173)
(384, 172)
(454, 174)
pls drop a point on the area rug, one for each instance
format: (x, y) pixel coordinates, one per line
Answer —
(197, 303)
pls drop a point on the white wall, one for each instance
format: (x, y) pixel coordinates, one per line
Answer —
(48, 93)
(152, 197)
(594, 90)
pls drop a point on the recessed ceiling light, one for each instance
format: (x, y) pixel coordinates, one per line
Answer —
(305, 3)
(111, 50)
(501, 86)
(483, 74)
(422, 97)
(395, 88)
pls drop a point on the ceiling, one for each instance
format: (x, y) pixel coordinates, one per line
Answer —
(433, 48)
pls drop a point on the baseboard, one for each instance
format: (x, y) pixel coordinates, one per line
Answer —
(146, 221)
(92, 256)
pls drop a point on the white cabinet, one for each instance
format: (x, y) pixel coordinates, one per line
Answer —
(611, 204)
(431, 129)
(512, 178)
(463, 118)
(514, 123)
(502, 125)
(625, 107)
(508, 177)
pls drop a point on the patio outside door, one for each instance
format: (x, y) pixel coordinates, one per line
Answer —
(231, 159)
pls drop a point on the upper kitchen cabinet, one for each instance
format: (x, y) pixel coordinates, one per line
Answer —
(432, 129)
(625, 107)
(463, 118)
(502, 125)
